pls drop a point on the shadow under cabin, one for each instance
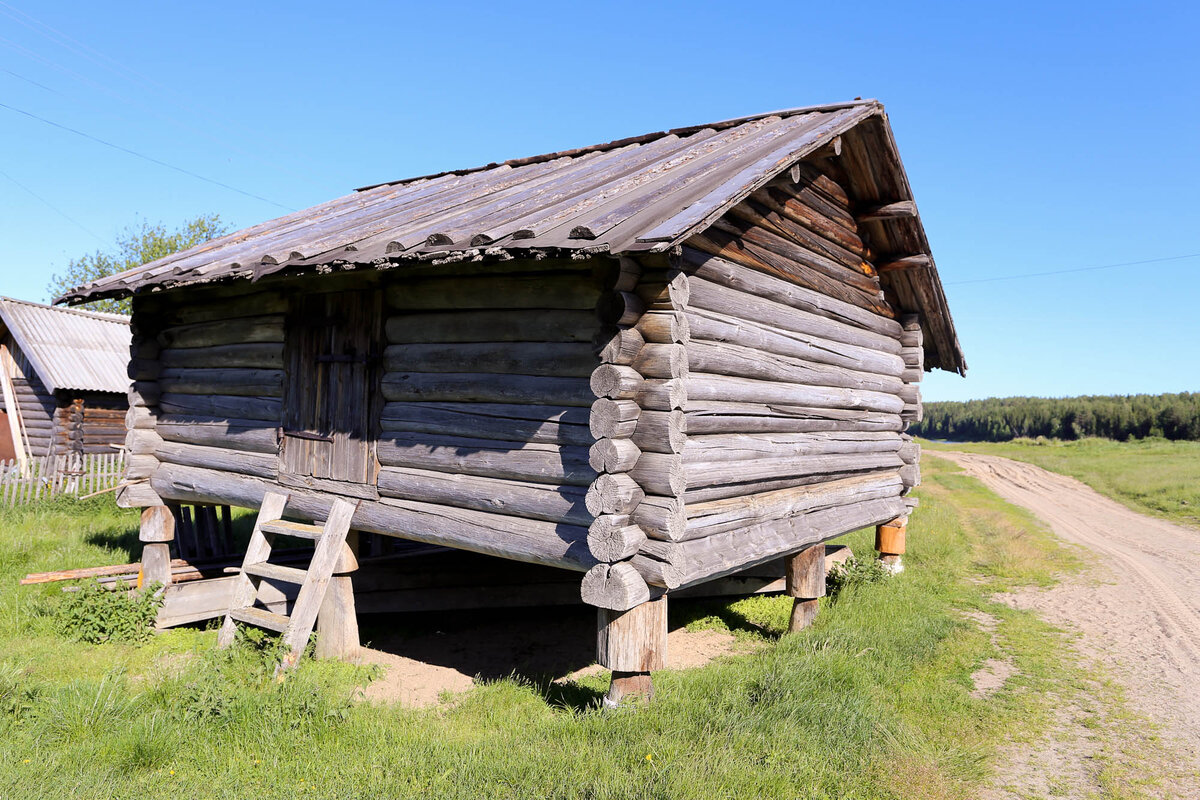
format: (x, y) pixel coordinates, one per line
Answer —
(646, 366)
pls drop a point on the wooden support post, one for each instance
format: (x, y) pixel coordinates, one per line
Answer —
(632, 643)
(156, 533)
(806, 583)
(889, 541)
(337, 621)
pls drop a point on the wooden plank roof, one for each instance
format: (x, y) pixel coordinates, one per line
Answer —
(642, 194)
(68, 348)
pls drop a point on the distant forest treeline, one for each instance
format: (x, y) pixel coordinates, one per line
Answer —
(1173, 416)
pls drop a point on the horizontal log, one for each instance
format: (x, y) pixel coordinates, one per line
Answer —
(720, 271)
(142, 442)
(259, 465)
(664, 327)
(267, 355)
(237, 382)
(476, 387)
(613, 494)
(488, 458)
(534, 541)
(613, 418)
(704, 386)
(562, 359)
(613, 455)
(660, 474)
(619, 308)
(615, 382)
(223, 406)
(772, 218)
(618, 345)
(660, 431)
(492, 326)
(615, 543)
(618, 587)
(662, 361)
(657, 573)
(532, 500)
(716, 416)
(503, 421)
(662, 395)
(910, 452)
(257, 329)
(744, 447)
(901, 209)
(722, 358)
(140, 467)
(841, 233)
(221, 306)
(718, 516)
(725, 553)
(137, 495)
(713, 326)
(905, 263)
(246, 435)
(724, 314)
(664, 290)
(713, 473)
(660, 517)
(528, 291)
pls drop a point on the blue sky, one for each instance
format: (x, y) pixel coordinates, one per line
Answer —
(1037, 138)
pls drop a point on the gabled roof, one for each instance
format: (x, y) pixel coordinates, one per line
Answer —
(643, 194)
(68, 348)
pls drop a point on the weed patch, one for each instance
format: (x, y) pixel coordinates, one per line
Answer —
(95, 615)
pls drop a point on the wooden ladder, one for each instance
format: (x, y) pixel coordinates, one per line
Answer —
(329, 539)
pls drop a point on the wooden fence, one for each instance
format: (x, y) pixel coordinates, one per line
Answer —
(73, 474)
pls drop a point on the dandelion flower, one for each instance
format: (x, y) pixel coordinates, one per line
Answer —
(649, 757)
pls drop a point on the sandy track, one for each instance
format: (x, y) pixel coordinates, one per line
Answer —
(1139, 613)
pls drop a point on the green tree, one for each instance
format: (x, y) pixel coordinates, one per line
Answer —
(136, 245)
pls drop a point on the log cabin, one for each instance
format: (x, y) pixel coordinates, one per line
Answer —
(653, 362)
(63, 384)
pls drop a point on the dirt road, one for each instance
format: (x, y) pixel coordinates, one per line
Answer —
(1138, 612)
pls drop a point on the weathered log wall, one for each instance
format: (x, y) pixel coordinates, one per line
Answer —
(39, 411)
(764, 399)
(483, 439)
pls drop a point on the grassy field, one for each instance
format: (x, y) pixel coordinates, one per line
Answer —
(874, 701)
(1154, 476)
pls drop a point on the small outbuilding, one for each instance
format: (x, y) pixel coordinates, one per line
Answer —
(63, 381)
(654, 362)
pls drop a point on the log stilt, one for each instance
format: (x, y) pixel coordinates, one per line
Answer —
(806, 583)
(889, 541)
(156, 533)
(632, 643)
(337, 621)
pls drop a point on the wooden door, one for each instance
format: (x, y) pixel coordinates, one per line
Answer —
(332, 359)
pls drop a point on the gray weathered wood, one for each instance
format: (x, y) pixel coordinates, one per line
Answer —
(477, 387)
(535, 541)
(745, 447)
(267, 355)
(247, 435)
(664, 327)
(729, 359)
(505, 421)
(546, 501)
(711, 473)
(219, 458)
(661, 431)
(613, 455)
(613, 418)
(545, 325)
(662, 518)
(615, 382)
(552, 291)
(618, 345)
(633, 640)
(562, 359)
(724, 388)
(613, 494)
(717, 327)
(489, 458)
(223, 406)
(614, 586)
(259, 329)
(615, 543)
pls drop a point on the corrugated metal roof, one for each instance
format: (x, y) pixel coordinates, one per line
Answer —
(70, 349)
(645, 193)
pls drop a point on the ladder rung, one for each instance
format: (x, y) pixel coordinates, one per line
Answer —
(299, 529)
(276, 572)
(261, 617)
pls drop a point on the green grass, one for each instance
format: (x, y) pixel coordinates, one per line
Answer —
(1154, 476)
(872, 702)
